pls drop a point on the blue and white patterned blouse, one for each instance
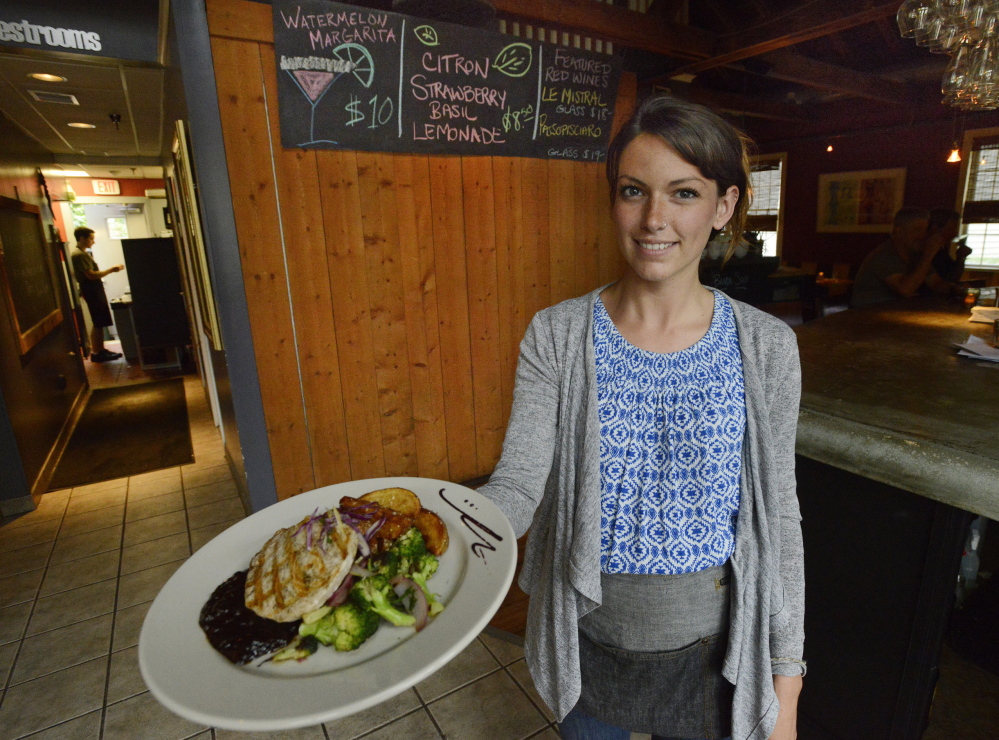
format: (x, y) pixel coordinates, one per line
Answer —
(671, 431)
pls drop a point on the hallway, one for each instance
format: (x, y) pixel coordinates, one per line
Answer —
(78, 575)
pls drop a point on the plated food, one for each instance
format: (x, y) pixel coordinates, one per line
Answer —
(192, 679)
(331, 579)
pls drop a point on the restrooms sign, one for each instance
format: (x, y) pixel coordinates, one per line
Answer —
(117, 30)
(60, 38)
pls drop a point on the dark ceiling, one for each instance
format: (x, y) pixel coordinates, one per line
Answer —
(823, 66)
(781, 68)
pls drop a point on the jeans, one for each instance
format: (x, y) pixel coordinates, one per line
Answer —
(579, 726)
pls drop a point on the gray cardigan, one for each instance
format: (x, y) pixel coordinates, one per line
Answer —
(548, 479)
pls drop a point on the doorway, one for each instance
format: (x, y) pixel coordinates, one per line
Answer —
(132, 218)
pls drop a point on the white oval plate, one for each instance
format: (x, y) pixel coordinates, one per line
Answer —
(191, 679)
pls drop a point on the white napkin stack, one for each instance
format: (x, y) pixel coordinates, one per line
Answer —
(978, 349)
(984, 314)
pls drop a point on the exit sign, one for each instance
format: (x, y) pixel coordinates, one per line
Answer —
(106, 187)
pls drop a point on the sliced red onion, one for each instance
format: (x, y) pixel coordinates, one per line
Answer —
(363, 511)
(327, 528)
(307, 522)
(400, 588)
(359, 571)
(362, 547)
(343, 591)
(421, 609)
(374, 528)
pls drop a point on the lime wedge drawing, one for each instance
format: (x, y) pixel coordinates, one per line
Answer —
(427, 35)
(362, 66)
(514, 60)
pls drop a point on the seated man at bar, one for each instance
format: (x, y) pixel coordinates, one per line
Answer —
(948, 267)
(899, 267)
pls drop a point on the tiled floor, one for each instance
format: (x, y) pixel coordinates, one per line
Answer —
(120, 371)
(78, 574)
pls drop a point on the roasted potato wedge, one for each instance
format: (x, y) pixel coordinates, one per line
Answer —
(433, 529)
(400, 500)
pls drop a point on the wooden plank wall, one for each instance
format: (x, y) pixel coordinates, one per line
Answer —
(388, 293)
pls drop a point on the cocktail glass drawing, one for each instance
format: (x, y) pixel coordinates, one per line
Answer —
(349, 58)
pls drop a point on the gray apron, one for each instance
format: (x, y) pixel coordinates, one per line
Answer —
(651, 654)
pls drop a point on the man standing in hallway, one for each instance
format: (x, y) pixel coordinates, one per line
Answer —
(88, 277)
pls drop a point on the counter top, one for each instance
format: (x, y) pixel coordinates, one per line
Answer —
(886, 396)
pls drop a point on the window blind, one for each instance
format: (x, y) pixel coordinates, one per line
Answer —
(981, 203)
(765, 178)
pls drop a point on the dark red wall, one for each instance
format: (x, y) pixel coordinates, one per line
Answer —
(921, 148)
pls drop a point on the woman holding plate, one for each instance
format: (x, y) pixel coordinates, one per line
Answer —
(650, 450)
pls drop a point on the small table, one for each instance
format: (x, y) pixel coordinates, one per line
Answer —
(790, 285)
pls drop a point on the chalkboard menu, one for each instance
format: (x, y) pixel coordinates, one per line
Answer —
(26, 280)
(357, 78)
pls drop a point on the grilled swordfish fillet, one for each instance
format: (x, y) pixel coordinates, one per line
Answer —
(300, 567)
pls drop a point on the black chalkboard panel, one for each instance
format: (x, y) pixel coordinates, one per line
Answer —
(26, 278)
(356, 78)
(157, 293)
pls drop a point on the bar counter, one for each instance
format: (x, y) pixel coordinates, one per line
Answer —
(897, 448)
(886, 396)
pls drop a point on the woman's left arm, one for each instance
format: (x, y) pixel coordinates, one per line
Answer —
(786, 646)
(788, 688)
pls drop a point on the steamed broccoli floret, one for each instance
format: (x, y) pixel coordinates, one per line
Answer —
(375, 594)
(345, 628)
(403, 557)
(299, 650)
(426, 566)
(387, 564)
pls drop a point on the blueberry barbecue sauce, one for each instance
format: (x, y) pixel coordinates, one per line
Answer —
(236, 631)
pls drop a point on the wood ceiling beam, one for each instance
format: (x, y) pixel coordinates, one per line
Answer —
(806, 24)
(722, 17)
(675, 11)
(890, 35)
(620, 25)
(652, 33)
(791, 67)
(852, 116)
(776, 110)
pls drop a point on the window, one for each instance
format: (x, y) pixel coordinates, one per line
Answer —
(79, 214)
(979, 206)
(767, 209)
(117, 227)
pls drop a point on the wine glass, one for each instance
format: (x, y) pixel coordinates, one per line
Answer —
(910, 16)
(929, 20)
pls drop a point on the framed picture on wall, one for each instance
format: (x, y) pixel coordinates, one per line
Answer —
(860, 202)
